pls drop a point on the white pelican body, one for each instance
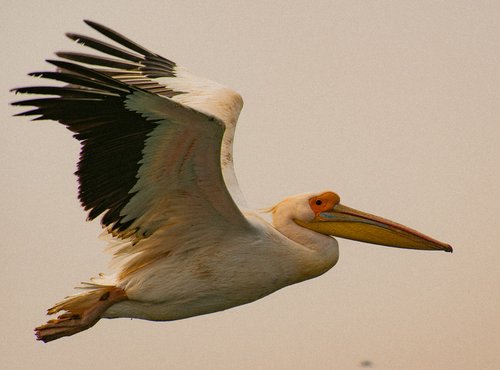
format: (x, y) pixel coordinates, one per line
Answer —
(156, 166)
(234, 268)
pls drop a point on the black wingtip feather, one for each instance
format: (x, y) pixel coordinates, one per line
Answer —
(99, 61)
(72, 36)
(104, 47)
(119, 38)
(84, 71)
(65, 92)
(81, 81)
(92, 107)
(32, 112)
(23, 103)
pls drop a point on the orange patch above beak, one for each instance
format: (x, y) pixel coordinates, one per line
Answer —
(324, 202)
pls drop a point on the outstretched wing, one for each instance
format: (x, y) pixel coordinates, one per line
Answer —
(142, 68)
(151, 136)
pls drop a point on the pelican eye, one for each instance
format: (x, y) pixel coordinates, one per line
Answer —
(319, 202)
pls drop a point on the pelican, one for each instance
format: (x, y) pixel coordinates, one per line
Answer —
(156, 167)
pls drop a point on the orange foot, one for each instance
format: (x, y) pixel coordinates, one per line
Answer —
(82, 312)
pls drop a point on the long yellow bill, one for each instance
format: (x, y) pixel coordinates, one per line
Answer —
(350, 223)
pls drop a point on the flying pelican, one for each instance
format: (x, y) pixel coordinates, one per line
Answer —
(156, 166)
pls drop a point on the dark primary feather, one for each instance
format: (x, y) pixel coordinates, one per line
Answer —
(104, 47)
(64, 92)
(78, 81)
(131, 67)
(151, 64)
(119, 38)
(99, 61)
(92, 106)
(112, 139)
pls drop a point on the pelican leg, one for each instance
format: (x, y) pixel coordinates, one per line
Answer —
(75, 320)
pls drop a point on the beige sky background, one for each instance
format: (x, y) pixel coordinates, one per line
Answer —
(393, 104)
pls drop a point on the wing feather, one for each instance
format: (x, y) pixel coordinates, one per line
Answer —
(164, 77)
(149, 160)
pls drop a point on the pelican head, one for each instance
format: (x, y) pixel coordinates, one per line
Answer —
(323, 213)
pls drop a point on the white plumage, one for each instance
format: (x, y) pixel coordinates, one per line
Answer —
(156, 166)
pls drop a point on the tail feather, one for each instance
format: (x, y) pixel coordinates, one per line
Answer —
(79, 303)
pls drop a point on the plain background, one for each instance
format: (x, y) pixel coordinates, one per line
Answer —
(393, 104)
